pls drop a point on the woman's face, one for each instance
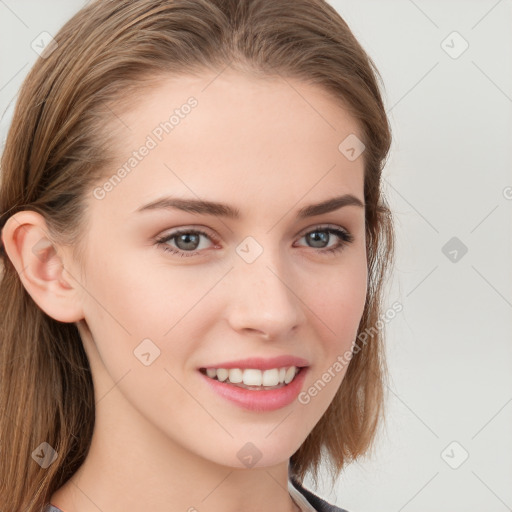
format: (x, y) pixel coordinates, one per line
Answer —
(260, 277)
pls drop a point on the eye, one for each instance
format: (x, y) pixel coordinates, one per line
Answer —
(188, 241)
(321, 236)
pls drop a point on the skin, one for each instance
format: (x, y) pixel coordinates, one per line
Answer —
(267, 147)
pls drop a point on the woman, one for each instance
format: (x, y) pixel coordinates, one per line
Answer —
(194, 248)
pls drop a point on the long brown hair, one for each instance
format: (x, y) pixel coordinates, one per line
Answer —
(58, 144)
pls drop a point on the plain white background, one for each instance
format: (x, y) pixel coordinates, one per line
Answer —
(447, 70)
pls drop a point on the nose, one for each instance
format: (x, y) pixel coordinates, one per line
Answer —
(264, 298)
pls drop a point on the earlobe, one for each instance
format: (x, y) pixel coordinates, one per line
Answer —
(40, 266)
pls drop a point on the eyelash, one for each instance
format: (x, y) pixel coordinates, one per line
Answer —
(344, 236)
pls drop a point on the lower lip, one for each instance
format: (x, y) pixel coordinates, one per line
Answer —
(259, 400)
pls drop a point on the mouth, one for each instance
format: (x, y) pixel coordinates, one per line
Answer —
(254, 379)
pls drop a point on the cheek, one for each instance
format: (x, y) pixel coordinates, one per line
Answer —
(138, 320)
(133, 300)
(138, 295)
(338, 296)
(338, 303)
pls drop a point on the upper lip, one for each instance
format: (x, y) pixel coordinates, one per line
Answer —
(262, 363)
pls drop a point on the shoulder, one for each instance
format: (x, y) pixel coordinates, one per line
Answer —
(317, 503)
(51, 508)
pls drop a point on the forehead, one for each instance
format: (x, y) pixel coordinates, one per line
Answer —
(212, 135)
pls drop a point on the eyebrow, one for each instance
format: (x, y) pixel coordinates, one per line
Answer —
(225, 210)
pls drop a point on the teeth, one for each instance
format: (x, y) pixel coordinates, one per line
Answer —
(253, 376)
(222, 374)
(235, 375)
(290, 373)
(271, 377)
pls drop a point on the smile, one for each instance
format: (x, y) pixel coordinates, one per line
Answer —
(253, 378)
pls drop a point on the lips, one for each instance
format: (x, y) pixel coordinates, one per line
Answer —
(258, 398)
(256, 383)
(261, 363)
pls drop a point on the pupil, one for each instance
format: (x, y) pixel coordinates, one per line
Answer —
(186, 238)
(322, 238)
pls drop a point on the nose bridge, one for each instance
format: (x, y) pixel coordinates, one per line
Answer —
(265, 300)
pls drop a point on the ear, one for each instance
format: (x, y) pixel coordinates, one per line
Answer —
(41, 268)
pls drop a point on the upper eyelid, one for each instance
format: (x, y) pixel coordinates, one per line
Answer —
(320, 227)
(193, 229)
